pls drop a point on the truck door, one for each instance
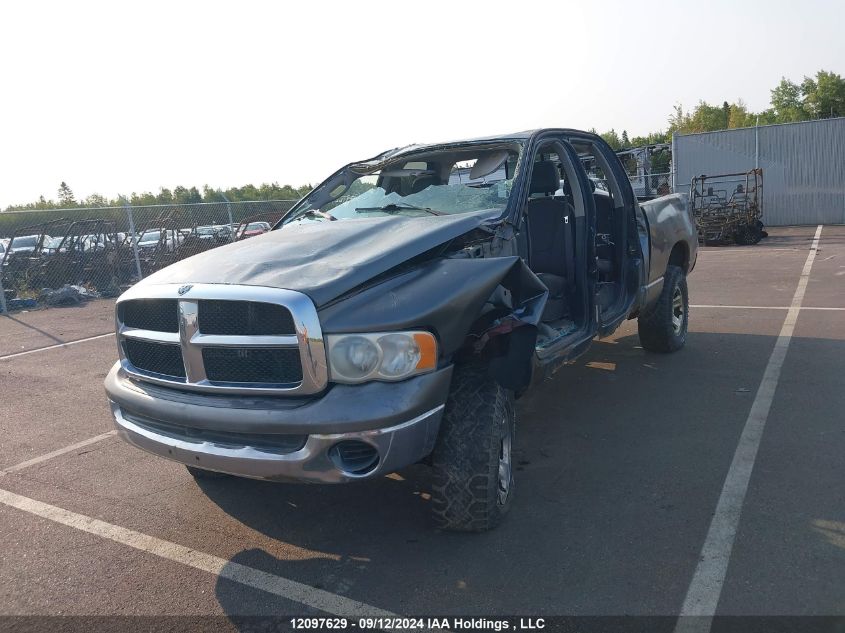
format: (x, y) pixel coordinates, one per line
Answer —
(619, 256)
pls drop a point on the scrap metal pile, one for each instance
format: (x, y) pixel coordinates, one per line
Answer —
(728, 208)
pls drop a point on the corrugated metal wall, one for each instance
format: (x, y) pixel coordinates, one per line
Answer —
(803, 167)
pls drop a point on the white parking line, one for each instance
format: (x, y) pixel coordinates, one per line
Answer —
(44, 349)
(721, 249)
(706, 587)
(248, 576)
(716, 307)
(56, 453)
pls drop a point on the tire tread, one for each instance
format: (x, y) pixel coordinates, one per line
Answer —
(466, 455)
(655, 325)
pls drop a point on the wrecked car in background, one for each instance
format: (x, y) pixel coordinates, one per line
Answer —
(394, 314)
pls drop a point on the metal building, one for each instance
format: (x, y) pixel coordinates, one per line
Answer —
(803, 166)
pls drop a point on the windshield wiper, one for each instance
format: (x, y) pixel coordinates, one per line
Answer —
(395, 208)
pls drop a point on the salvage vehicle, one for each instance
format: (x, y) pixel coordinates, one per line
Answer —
(395, 313)
(27, 243)
(252, 229)
(215, 233)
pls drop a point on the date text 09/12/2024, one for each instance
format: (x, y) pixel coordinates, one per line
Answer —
(411, 624)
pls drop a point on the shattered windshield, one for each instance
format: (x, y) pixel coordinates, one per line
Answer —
(447, 182)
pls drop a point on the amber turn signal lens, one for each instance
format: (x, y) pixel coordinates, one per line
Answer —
(428, 350)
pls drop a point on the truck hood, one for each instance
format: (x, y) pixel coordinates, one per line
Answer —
(321, 259)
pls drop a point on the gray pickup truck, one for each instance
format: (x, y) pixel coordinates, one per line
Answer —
(394, 313)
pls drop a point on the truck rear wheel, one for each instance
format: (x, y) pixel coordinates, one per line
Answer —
(663, 328)
(473, 458)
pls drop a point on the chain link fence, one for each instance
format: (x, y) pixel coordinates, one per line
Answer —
(652, 185)
(70, 255)
(645, 186)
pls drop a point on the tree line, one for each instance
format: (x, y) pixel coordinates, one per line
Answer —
(66, 199)
(818, 97)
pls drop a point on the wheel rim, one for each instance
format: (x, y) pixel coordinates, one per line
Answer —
(678, 311)
(505, 466)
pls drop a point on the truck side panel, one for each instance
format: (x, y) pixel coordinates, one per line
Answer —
(672, 234)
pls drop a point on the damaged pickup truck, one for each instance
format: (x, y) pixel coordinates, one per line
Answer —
(394, 314)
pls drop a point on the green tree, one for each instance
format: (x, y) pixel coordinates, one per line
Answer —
(612, 139)
(95, 200)
(739, 115)
(66, 198)
(787, 105)
(182, 195)
(653, 138)
(165, 196)
(824, 95)
(139, 199)
(211, 195)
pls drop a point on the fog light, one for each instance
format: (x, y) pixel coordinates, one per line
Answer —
(354, 457)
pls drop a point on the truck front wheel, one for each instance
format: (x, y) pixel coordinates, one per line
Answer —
(663, 327)
(473, 458)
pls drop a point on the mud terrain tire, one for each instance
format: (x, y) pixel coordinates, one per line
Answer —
(663, 328)
(472, 459)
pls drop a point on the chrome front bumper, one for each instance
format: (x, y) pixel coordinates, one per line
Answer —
(401, 443)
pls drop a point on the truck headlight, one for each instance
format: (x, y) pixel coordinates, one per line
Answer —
(355, 358)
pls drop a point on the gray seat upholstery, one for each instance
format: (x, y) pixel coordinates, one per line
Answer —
(424, 181)
(549, 227)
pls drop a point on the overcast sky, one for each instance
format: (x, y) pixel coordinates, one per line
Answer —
(116, 97)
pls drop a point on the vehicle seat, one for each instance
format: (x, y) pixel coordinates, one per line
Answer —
(549, 225)
(424, 181)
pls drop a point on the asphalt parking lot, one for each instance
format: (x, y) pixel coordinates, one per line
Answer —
(625, 460)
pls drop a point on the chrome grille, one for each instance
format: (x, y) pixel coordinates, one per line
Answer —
(228, 339)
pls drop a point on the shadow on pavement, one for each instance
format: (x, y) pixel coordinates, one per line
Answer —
(621, 457)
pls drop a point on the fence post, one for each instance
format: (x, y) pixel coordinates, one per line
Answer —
(231, 222)
(128, 210)
(674, 166)
(3, 309)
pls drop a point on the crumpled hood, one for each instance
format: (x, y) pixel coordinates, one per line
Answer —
(321, 259)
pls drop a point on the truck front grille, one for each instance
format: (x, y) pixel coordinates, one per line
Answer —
(223, 338)
(159, 358)
(246, 318)
(159, 315)
(279, 366)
